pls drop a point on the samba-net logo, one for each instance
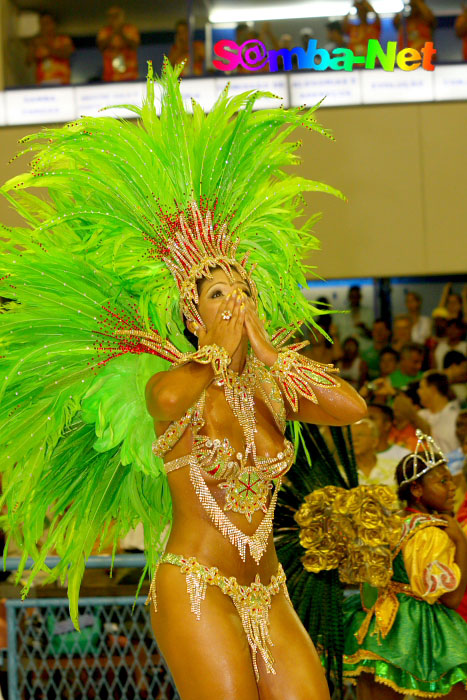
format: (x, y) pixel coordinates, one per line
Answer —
(252, 55)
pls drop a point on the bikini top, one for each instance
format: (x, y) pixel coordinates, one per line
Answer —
(251, 482)
(217, 457)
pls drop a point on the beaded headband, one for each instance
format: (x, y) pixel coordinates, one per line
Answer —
(427, 461)
(194, 248)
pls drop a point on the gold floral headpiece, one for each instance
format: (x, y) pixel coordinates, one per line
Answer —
(194, 249)
(422, 462)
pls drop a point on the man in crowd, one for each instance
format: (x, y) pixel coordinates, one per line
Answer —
(401, 331)
(420, 325)
(410, 366)
(361, 32)
(381, 334)
(180, 50)
(379, 389)
(439, 317)
(357, 323)
(372, 469)
(456, 458)
(51, 53)
(335, 38)
(405, 407)
(417, 28)
(455, 367)
(118, 42)
(455, 340)
(388, 361)
(383, 417)
(439, 411)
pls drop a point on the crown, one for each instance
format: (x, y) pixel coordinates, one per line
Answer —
(194, 248)
(427, 460)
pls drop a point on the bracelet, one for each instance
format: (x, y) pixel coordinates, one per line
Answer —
(296, 374)
(215, 355)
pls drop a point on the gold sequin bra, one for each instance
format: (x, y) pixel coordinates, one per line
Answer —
(251, 482)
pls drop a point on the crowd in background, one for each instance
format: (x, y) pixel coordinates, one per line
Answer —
(118, 40)
(412, 373)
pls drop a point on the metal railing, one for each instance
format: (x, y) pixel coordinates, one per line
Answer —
(114, 656)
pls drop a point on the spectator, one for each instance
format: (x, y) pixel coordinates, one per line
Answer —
(439, 411)
(417, 28)
(246, 33)
(439, 319)
(306, 33)
(455, 366)
(352, 368)
(241, 33)
(455, 340)
(401, 331)
(461, 29)
(322, 349)
(285, 42)
(383, 417)
(180, 50)
(51, 53)
(360, 33)
(358, 321)
(456, 458)
(335, 37)
(379, 389)
(410, 365)
(388, 361)
(381, 334)
(371, 468)
(403, 431)
(118, 42)
(455, 304)
(421, 325)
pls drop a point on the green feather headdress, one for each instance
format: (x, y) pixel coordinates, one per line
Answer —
(103, 204)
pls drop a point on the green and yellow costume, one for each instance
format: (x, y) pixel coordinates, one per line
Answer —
(407, 638)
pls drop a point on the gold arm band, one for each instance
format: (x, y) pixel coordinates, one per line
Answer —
(215, 355)
(296, 374)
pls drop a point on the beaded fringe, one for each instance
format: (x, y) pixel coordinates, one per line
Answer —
(252, 602)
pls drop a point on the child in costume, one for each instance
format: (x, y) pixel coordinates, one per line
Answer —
(183, 221)
(410, 640)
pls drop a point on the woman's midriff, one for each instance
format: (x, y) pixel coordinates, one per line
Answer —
(193, 533)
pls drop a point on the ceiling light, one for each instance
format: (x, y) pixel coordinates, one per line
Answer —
(230, 14)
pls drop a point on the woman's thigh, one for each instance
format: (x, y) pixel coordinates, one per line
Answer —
(299, 674)
(210, 657)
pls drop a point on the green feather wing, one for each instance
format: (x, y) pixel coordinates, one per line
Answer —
(75, 441)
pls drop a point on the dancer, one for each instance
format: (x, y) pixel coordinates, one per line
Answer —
(183, 224)
(411, 640)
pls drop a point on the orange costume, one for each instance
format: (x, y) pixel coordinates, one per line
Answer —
(120, 61)
(418, 33)
(49, 68)
(360, 34)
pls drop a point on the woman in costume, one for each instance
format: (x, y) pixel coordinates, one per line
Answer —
(411, 640)
(182, 221)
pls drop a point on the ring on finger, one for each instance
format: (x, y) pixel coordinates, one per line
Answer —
(227, 315)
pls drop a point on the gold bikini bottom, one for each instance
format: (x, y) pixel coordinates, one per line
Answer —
(252, 602)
